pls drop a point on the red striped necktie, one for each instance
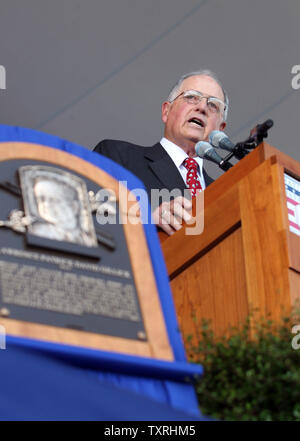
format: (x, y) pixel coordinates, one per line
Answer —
(192, 180)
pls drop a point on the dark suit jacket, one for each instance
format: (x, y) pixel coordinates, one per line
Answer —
(152, 165)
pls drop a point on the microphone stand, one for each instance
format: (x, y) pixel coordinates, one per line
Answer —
(225, 164)
(257, 134)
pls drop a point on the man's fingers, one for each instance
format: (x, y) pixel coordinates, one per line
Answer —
(184, 202)
(167, 229)
(181, 213)
(169, 215)
(160, 217)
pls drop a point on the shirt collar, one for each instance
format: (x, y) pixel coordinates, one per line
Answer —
(177, 154)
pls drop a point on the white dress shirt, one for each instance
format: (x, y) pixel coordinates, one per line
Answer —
(178, 156)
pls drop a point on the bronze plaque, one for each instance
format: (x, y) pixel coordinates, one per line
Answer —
(58, 266)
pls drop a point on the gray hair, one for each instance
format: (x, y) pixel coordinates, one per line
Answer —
(175, 89)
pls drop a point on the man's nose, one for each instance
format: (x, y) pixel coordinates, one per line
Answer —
(202, 106)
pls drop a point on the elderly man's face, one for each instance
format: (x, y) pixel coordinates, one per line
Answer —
(178, 115)
(54, 206)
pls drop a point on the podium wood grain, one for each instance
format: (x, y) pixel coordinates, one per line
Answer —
(246, 260)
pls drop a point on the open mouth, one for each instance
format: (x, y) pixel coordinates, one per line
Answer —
(197, 122)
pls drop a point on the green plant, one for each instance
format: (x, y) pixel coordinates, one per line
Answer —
(249, 379)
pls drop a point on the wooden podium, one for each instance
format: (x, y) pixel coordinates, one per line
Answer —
(247, 259)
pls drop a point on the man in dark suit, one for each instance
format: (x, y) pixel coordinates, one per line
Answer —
(196, 105)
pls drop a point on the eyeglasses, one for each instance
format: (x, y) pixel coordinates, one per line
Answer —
(194, 97)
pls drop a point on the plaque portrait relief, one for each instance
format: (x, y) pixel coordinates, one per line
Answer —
(58, 204)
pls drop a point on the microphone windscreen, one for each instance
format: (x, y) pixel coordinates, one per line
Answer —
(215, 137)
(202, 147)
(269, 123)
(205, 150)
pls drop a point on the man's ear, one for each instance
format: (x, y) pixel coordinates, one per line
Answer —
(222, 125)
(165, 108)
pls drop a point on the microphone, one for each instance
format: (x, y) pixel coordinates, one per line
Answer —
(220, 140)
(260, 131)
(206, 151)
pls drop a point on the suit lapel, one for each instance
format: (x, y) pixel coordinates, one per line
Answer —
(164, 168)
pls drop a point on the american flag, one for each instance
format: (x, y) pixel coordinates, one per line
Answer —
(292, 189)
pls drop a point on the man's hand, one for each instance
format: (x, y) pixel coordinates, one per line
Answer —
(170, 215)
